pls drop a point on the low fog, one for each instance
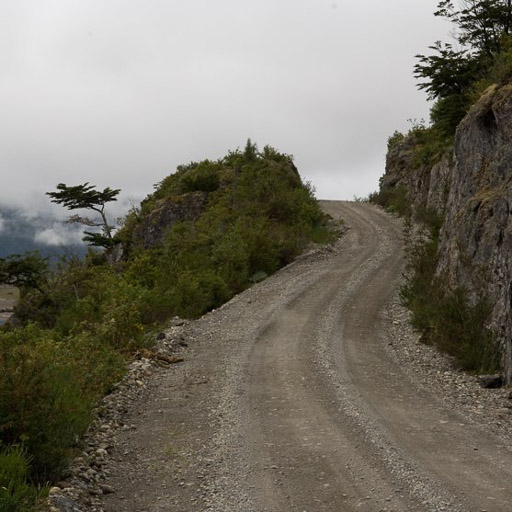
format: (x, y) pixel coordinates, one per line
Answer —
(119, 93)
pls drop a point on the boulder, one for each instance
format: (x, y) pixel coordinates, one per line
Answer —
(490, 381)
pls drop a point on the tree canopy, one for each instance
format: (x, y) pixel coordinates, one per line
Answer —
(447, 72)
(86, 197)
(480, 24)
(24, 271)
(450, 72)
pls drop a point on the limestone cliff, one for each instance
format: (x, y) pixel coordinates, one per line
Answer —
(471, 187)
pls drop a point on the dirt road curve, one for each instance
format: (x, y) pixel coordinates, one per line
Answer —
(289, 400)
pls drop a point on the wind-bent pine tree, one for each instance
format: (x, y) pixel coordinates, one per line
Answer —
(86, 197)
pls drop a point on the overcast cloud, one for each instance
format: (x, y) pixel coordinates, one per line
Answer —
(120, 92)
(58, 235)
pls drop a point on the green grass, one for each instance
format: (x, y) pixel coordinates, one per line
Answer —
(16, 493)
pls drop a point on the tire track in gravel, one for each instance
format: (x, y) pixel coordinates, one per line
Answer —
(302, 406)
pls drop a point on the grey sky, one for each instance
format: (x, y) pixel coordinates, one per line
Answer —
(120, 92)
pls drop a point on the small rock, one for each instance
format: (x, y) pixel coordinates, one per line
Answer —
(161, 336)
(169, 359)
(177, 321)
(107, 489)
(64, 504)
(490, 381)
(101, 452)
(90, 474)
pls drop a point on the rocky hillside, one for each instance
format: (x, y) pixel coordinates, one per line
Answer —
(469, 184)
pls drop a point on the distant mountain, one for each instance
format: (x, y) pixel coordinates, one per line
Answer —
(21, 231)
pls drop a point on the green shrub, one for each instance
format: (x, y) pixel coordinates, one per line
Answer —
(446, 114)
(461, 330)
(393, 199)
(198, 292)
(16, 495)
(395, 139)
(258, 276)
(430, 144)
(229, 255)
(447, 318)
(48, 386)
(500, 72)
(41, 402)
(204, 177)
(431, 219)
(420, 286)
(101, 301)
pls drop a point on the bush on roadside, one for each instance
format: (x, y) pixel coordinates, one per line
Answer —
(15, 493)
(48, 386)
(393, 200)
(447, 318)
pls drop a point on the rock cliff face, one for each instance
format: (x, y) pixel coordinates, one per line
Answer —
(152, 228)
(427, 186)
(472, 188)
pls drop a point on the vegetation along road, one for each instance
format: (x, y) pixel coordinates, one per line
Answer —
(291, 399)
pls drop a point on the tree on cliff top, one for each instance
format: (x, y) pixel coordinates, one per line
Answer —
(449, 74)
(86, 197)
(481, 24)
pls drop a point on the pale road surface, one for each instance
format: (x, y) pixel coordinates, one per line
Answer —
(290, 401)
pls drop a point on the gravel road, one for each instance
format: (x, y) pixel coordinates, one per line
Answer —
(300, 395)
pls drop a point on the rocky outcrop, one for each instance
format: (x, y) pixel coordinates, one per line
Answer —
(476, 242)
(151, 228)
(472, 188)
(426, 186)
